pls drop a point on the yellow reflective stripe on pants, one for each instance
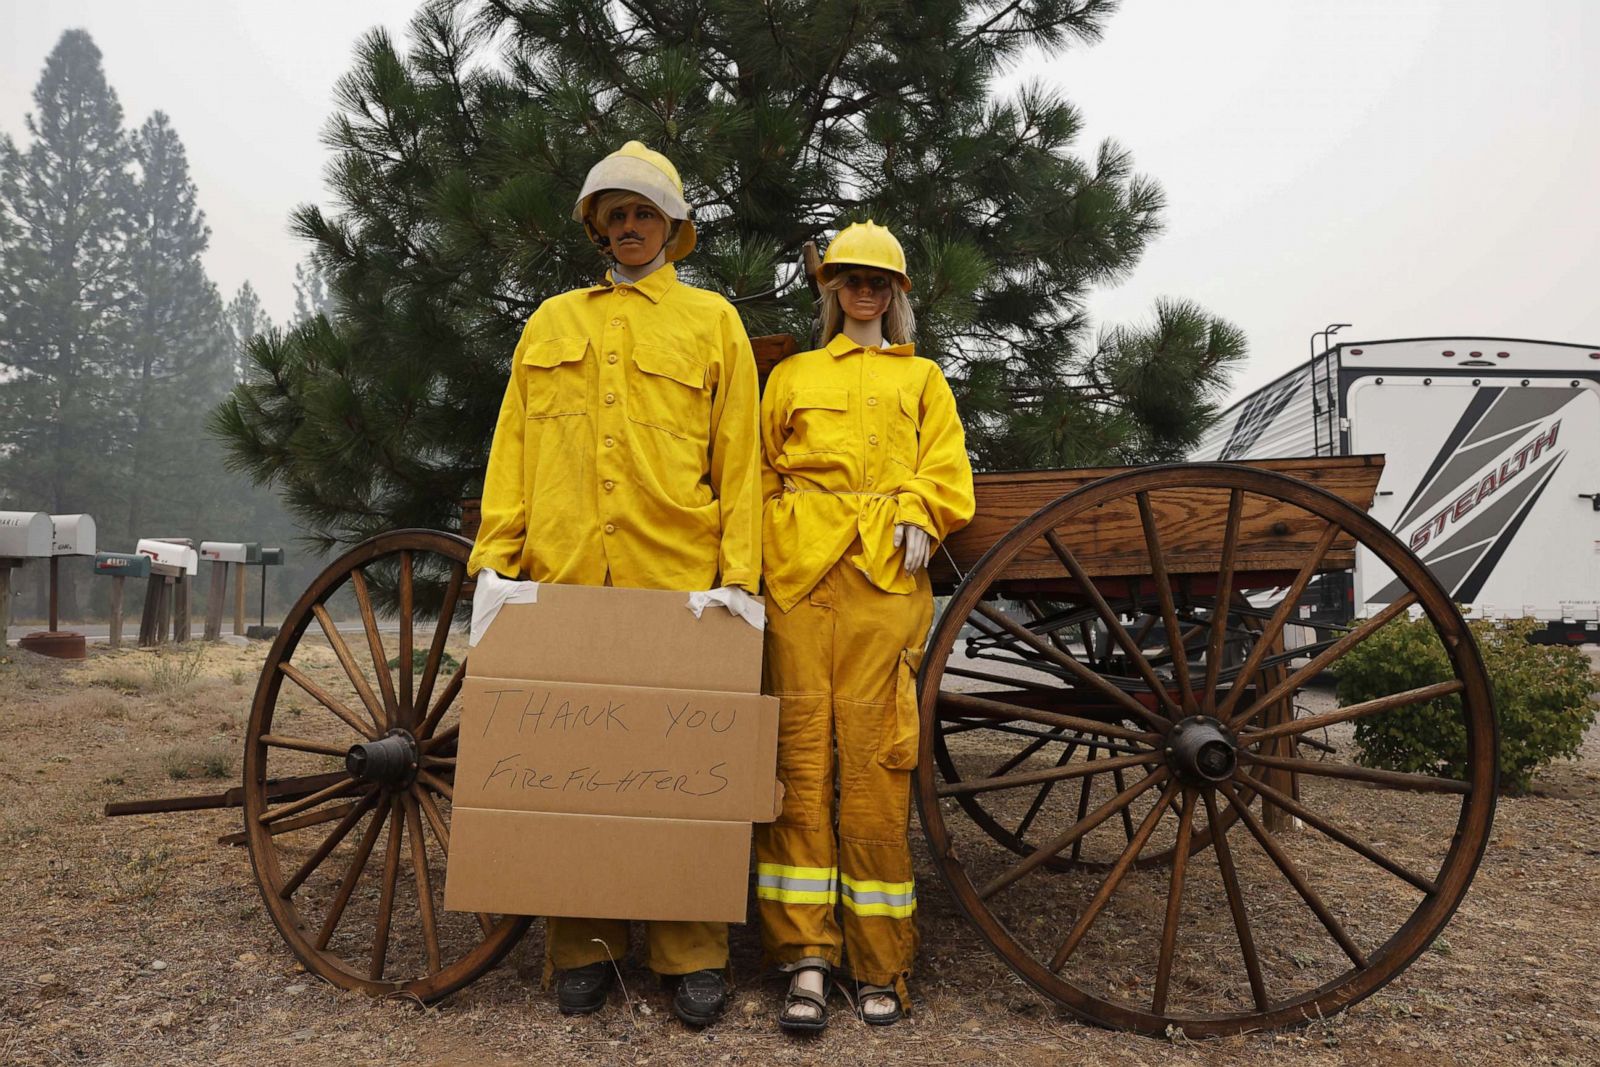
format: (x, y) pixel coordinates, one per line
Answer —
(865, 896)
(797, 885)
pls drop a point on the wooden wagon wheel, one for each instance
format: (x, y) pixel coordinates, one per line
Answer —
(373, 729)
(1259, 930)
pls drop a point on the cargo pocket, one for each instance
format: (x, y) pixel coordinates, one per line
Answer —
(667, 390)
(899, 748)
(903, 434)
(557, 384)
(818, 425)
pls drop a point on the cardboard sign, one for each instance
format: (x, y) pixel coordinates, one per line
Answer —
(614, 751)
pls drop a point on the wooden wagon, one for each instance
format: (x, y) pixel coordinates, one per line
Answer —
(1115, 781)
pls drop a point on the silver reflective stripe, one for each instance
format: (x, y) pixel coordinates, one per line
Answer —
(779, 881)
(861, 896)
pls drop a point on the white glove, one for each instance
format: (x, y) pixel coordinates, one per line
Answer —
(917, 543)
(736, 600)
(493, 593)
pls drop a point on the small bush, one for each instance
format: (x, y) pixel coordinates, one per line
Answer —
(177, 667)
(1542, 696)
(190, 762)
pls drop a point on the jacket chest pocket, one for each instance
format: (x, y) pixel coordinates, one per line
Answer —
(556, 381)
(906, 425)
(667, 390)
(818, 424)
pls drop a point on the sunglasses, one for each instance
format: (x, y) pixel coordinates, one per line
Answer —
(873, 283)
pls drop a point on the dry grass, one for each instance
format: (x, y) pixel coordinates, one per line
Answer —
(141, 940)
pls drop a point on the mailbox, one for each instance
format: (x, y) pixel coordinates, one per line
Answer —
(170, 553)
(228, 551)
(271, 557)
(74, 535)
(25, 533)
(122, 564)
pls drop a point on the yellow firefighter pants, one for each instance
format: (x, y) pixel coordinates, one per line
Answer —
(843, 665)
(670, 947)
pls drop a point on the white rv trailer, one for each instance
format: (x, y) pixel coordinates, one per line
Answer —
(1492, 473)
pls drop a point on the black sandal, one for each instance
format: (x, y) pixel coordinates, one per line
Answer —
(798, 996)
(884, 1018)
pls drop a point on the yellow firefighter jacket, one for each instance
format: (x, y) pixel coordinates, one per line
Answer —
(627, 444)
(855, 440)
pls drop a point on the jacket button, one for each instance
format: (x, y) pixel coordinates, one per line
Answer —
(610, 485)
(612, 358)
(616, 322)
(611, 528)
(869, 479)
(872, 439)
(872, 401)
(610, 441)
(611, 398)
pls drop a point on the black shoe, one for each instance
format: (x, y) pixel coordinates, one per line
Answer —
(582, 990)
(700, 998)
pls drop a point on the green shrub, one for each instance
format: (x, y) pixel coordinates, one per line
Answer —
(1542, 696)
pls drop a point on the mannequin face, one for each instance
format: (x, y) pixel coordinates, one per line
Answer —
(866, 292)
(637, 232)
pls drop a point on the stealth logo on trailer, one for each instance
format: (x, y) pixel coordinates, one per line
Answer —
(1490, 467)
(1257, 415)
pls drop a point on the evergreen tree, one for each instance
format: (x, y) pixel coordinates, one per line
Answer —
(458, 161)
(180, 359)
(63, 283)
(244, 318)
(311, 295)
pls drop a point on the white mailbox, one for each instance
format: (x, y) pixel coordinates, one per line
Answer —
(25, 533)
(74, 535)
(226, 551)
(169, 553)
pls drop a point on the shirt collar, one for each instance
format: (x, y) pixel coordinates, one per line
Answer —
(841, 345)
(653, 285)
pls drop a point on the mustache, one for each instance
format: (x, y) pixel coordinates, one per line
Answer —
(630, 235)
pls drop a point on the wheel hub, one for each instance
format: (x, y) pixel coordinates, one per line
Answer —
(1201, 750)
(391, 760)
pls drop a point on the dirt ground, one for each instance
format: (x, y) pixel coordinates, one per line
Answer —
(143, 941)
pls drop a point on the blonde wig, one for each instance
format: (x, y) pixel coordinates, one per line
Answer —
(604, 203)
(899, 322)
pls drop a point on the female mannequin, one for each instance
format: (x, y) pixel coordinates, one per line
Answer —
(864, 471)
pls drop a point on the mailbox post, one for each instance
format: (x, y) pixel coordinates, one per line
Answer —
(221, 554)
(166, 607)
(119, 567)
(71, 535)
(267, 557)
(24, 535)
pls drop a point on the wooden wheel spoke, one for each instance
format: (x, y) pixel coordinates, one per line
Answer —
(1321, 660)
(1044, 792)
(352, 875)
(283, 811)
(441, 633)
(380, 659)
(329, 843)
(1241, 921)
(983, 676)
(1169, 612)
(1083, 826)
(1033, 746)
(1053, 774)
(434, 783)
(1127, 817)
(1354, 711)
(348, 661)
(1424, 783)
(451, 690)
(327, 700)
(1344, 837)
(1169, 928)
(441, 833)
(1274, 627)
(443, 737)
(1113, 878)
(1219, 615)
(967, 704)
(1287, 866)
(1083, 803)
(406, 643)
(419, 867)
(391, 877)
(303, 744)
(1088, 677)
(1113, 624)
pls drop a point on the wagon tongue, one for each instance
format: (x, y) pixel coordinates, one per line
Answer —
(391, 760)
(1201, 750)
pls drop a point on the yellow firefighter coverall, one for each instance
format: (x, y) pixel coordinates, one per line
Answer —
(626, 453)
(854, 441)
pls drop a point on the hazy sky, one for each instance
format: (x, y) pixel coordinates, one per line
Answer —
(1414, 167)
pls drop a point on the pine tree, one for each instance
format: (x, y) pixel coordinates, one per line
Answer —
(244, 318)
(63, 282)
(179, 354)
(311, 295)
(457, 162)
